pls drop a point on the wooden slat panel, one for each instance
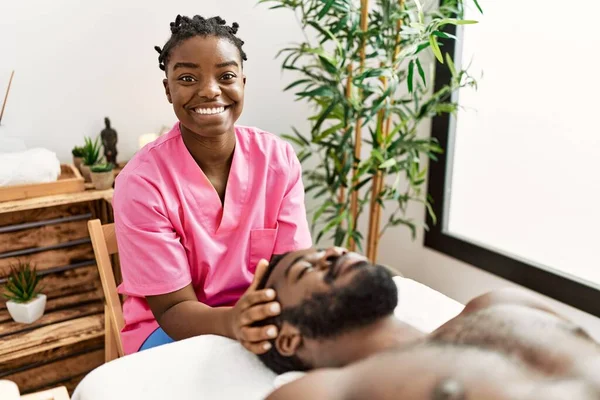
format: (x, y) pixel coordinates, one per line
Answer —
(50, 259)
(58, 303)
(57, 200)
(48, 235)
(75, 299)
(50, 355)
(42, 214)
(51, 337)
(78, 280)
(59, 371)
(13, 328)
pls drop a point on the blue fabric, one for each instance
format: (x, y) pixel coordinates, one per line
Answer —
(156, 338)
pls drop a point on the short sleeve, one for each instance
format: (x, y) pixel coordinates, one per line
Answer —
(293, 233)
(153, 260)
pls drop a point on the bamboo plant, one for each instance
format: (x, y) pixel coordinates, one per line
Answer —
(363, 68)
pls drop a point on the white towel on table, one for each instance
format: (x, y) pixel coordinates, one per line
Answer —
(31, 166)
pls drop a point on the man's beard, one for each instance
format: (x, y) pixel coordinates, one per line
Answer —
(370, 295)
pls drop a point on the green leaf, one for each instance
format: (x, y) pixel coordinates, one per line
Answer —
(336, 221)
(293, 139)
(478, 6)
(451, 66)
(466, 22)
(444, 35)
(321, 210)
(373, 73)
(421, 71)
(323, 116)
(323, 91)
(454, 21)
(325, 9)
(296, 83)
(422, 47)
(305, 140)
(388, 163)
(409, 79)
(327, 33)
(436, 48)
(328, 132)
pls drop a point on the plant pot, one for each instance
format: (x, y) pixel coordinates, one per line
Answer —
(78, 161)
(86, 172)
(26, 313)
(103, 180)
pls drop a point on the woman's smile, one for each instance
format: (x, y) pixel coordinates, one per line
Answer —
(213, 110)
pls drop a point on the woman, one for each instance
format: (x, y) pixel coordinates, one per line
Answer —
(200, 210)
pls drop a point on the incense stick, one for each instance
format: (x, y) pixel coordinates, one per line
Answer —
(6, 95)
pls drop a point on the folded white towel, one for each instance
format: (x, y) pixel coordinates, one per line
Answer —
(31, 166)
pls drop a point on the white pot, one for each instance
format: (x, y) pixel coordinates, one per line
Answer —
(27, 313)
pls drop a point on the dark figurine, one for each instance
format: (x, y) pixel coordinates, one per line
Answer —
(109, 141)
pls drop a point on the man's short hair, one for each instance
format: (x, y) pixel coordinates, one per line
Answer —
(272, 359)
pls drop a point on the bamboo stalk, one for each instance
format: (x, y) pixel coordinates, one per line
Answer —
(375, 218)
(364, 21)
(342, 193)
(375, 187)
(12, 74)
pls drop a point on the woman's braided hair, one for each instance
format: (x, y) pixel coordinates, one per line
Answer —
(184, 28)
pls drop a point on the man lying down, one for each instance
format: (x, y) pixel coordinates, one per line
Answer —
(337, 317)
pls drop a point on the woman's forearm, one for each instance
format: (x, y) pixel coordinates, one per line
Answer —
(192, 318)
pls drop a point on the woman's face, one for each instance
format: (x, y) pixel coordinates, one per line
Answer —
(205, 84)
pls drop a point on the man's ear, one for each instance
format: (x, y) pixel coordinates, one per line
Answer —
(244, 80)
(289, 340)
(167, 90)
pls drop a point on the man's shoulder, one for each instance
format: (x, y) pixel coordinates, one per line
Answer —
(322, 384)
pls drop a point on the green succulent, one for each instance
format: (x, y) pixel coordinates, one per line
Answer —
(105, 167)
(77, 151)
(22, 283)
(91, 151)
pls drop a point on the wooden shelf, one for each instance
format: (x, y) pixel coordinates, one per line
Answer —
(67, 342)
(56, 200)
(63, 344)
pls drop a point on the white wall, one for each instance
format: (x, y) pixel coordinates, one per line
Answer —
(77, 62)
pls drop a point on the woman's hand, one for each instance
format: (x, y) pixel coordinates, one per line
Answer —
(255, 305)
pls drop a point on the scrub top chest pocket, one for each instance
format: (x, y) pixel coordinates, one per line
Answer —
(262, 243)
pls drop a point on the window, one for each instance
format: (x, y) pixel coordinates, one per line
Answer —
(517, 192)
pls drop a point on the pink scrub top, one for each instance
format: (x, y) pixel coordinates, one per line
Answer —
(172, 229)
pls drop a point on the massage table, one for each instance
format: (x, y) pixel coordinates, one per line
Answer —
(214, 367)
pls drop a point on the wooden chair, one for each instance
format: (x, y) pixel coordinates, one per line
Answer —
(104, 242)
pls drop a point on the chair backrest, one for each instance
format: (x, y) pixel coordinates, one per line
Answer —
(104, 242)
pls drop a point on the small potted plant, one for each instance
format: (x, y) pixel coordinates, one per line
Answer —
(25, 303)
(102, 175)
(91, 155)
(77, 156)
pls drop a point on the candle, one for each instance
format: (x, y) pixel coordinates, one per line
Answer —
(146, 138)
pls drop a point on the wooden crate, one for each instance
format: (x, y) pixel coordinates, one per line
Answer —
(69, 181)
(65, 344)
